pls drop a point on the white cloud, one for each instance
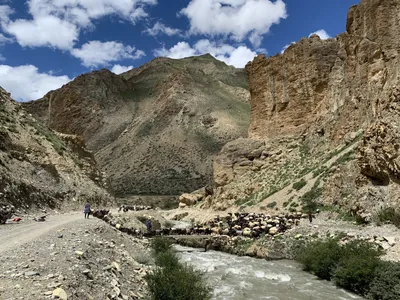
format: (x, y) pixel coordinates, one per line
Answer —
(57, 23)
(96, 53)
(5, 12)
(118, 69)
(27, 83)
(237, 19)
(161, 28)
(321, 33)
(44, 31)
(4, 39)
(287, 46)
(237, 57)
(2, 58)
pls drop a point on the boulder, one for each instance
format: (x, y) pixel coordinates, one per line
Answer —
(59, 293)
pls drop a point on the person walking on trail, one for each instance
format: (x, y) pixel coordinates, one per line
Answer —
(148, 225)
(310, 215)
(87, 210)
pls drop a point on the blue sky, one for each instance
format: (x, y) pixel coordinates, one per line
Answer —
(46, 43)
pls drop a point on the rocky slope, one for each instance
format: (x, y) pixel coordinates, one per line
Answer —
(41, 168)
(153, 129)
(324, 123)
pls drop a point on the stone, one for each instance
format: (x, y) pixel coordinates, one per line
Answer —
(59, 293)
(116, 266)
(79, 253)
(118, 226)
(31, 273)
(391, 240)
(190, 199)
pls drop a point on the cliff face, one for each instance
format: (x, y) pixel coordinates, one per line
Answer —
(336, 84)
(325, 115)
(153, 129)
(41, 168)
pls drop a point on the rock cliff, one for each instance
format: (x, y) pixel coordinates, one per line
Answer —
(41, 168)
(325, 115)
(337, 83)
(153, 129)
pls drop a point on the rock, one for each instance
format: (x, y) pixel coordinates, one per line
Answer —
(116, 266)
(190, 199)
(31, 273)
(298, 236)
(59, 293)
(391, 240)
(79, 253)
(118, 226)
(182, 205)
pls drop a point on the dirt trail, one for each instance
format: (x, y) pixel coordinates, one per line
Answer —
(12, 235)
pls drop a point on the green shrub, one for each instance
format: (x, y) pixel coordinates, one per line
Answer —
(299, 184)
(271, 205)
(386, 282)
(389, 215)
(178, 283)
(160, 245)
(172, 280)
(320, 257)
(356, 267)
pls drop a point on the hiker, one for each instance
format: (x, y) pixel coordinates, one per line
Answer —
(310, 215)
(87, 210)
(148, 225)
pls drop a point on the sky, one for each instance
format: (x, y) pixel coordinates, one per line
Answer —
(44, 44)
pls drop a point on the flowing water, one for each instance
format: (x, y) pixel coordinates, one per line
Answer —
(238, 278)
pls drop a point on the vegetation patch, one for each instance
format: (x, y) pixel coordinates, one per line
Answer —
(389, 215)
(354, 266)
(172, 280)
(271, 204)
(299, 184)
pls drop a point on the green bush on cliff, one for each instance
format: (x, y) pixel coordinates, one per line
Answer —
(389, 214)
(386, 282)
(173, 280)
(299, 184)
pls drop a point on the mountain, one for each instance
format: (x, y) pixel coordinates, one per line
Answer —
(40, 168)
(325, 121)
(154, 129)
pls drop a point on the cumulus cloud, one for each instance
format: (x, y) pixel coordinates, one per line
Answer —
(27, 83)
(118, 69)
(160, 28)
(237, 57)
(57, 23)
(44, 31)
(237, 19)
(321, 33)
(96, 53)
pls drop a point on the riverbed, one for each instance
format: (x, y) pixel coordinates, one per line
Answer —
(236, 278)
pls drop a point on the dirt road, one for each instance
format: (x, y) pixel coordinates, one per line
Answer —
(14, 235)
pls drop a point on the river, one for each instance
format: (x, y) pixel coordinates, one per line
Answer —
(238, 278)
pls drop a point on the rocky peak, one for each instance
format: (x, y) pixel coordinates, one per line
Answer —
(155, 128)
